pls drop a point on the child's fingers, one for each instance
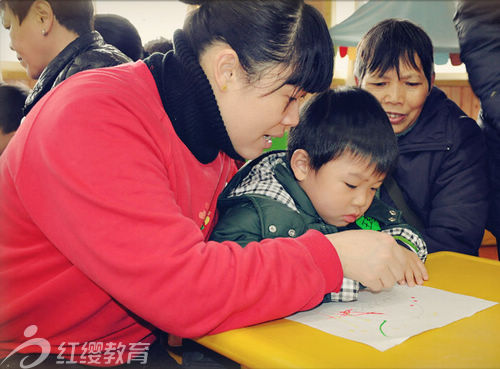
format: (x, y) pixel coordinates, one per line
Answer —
(416, 273)
(423, 270)
(420, 272)
(411, 279)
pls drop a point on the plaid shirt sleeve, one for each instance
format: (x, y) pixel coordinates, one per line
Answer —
(348, 292)
(409, 238)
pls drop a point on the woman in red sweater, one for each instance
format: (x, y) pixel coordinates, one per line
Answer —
(109, 192)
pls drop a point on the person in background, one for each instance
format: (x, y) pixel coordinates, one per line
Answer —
(55, 39)
(158, 45)
(12, 99)
(109, 192)
(338, 156)
(441, 174)
(478, 28)
(121, 33)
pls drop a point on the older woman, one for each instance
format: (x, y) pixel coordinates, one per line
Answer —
(441, 180)
(54, 40)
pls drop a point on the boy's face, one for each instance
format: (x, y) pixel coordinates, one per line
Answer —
(342, 189)
(401, 97)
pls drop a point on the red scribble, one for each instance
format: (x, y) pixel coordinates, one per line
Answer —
(349, 312)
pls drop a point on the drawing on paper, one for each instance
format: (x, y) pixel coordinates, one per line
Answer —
(396, 324)
(380, 328)
(388, 318)
(350, 312)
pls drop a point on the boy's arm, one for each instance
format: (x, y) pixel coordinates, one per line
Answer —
(239, 223)
(408, 237)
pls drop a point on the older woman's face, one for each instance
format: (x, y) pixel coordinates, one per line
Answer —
(27, 40)
(403, 96)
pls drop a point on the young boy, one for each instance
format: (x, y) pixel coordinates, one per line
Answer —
(338, 156)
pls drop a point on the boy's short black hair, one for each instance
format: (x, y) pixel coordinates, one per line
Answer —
(344, 120)
(121, 33)
(390, 41)
(12, 98)
(75, 15)
(158, 45)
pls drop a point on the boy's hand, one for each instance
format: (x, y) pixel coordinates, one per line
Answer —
(415, 271)
(370, 257)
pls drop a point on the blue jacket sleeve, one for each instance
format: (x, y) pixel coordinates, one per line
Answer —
(478, 30)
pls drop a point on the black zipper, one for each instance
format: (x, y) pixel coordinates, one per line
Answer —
(432, 146)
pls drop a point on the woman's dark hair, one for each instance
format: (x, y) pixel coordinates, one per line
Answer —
(121, 33)
(344, 120)
(75, 15)
(390, 41)
(12, 98)
(267, 33)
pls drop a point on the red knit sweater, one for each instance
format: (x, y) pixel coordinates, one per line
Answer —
(104, 217)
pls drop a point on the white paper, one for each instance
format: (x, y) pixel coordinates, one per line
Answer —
(387, 318)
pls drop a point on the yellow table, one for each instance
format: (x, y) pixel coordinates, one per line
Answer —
(472, 342)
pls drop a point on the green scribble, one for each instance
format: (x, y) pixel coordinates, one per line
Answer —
(380, 328)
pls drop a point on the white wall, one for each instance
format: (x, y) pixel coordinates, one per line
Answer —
(5, 53)
(151, 18)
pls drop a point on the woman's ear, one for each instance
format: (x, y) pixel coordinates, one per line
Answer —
(225, 68)
(356, 81)
(299, 163)
(44, 15)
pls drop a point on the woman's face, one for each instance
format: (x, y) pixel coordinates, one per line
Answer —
(401, 97)
(254, 113)
(27, 41)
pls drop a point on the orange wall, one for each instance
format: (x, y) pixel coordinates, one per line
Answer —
(461, 93)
